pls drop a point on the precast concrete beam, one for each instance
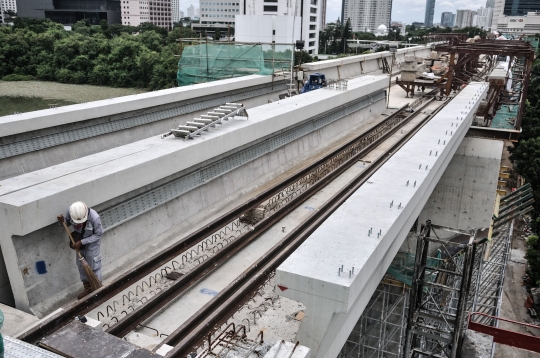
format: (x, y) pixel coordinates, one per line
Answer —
(31, 121)
(352, 66)
(31, 202)
(366, 232)
(49, 137)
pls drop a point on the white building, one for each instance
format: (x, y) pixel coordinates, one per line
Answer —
(157, 12)
(197, 12)
(267, 29)
(191, 11)
(464, 18)
(366, 15)
(401, 26)
(519, 25)
(175, 11)
(221, 15)
(6, 5)
(483, 17)
(498, 11)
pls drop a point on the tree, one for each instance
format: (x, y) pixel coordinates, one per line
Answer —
(527, 159)
(217, 34)
(9, 16)
(365, 36)
(346, 35)
(302, 56)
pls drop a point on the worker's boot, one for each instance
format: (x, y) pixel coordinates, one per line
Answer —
(87, 290)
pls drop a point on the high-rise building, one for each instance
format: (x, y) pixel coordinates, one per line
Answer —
(157, 12)
(221, 15)
(483, 17)
(464, 18)
(430, 12)
(366, 15)
(191, 11)
(197, 12)
(135, 12)
(175, 11)
(7, 5)
(490, 4)
(160, 13)
(446, 19)
(68, 12)
(520, 7)
(505, 8)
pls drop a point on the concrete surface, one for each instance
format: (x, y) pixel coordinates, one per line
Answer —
(334, 303)
(31, 121)
(182, 308)
(32, 201)
(15, 321)
(353, 66)
(287, 350)
(464, 198)
(252, 91)
(513, 302)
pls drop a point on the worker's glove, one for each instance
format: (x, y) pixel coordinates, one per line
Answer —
(60, 218)
(78, 245)
(77, 237)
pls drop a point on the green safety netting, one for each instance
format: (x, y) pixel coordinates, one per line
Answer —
(215, 61)
(402, 267)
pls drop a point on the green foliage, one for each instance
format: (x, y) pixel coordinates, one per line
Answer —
(217, 34)
(532, 242)
(302, 57)
(111, 55)
(526, 158)
(14, 77)
(333, 40)
(533, 257)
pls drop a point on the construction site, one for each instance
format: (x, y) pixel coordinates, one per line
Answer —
(363, 206)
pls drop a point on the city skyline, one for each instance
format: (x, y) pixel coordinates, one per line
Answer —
(409, 11)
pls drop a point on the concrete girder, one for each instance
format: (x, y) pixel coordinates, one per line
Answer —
(31, 202)
(334, 303)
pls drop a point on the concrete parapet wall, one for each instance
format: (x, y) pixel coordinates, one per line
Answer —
(35, 140)
(32, 201)
(334, 303)
(353, 66)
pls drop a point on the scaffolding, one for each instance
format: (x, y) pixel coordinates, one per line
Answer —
(418, 309)
(380, 331)
(437, 315)
(211, 61)
(432, 281)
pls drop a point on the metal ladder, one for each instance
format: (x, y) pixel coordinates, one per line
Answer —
(209, 120)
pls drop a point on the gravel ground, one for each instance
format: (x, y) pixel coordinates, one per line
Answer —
(513, 305)
(63, 91)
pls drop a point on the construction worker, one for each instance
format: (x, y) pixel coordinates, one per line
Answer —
(87, 235)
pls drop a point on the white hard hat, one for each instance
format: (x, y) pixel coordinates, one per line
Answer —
(78, 212)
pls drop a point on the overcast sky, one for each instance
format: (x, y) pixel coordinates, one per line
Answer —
(402, 10)
(412, 10)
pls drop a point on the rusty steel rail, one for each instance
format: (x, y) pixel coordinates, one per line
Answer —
(154, 304)
(223, 305)
(124, 281)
